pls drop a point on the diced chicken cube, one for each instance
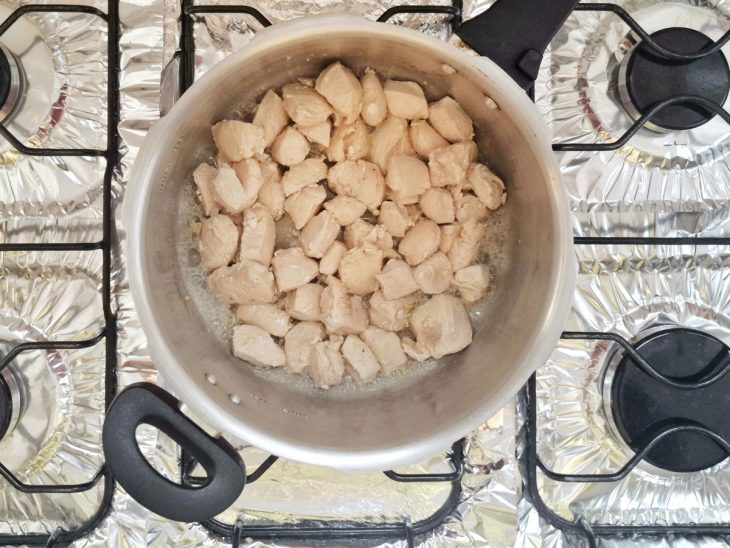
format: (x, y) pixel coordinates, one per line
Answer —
(438, 205)
(326, 364)
(345, 209)
(413, 350)
(374, 104)
(434, 275)
(405, 99)
(407, 178)
(359, 179)
(303, 302)
(487, 186)
(269, 170)
(271, 116)
(470, 208)
(298, 343)
(203, 176)
(238, 140)
(309, 172)
(271, 198)
(330, 262)
(386, 347)
(342, 314)
(441, 326)
(358, 269)
(218, 242)
(472, 282)
(364, 366)
(318, 134)
(303, 205)
(246, 282)
(268, 317)
(342, 90)
(425, 139)
(448, 237)
(396, 279)
(420, 242)
(251, 178)
(286, 234)
(449, 165)
(254, 345)
(258, 236)
(349, 142)
(390, 137)
(414, 213)
(292, 268)
(450, 120)
(395, 218)
(228, 191)
(356, 232)
(318, 234)
(290, 147)
(466, 246)
(389, 314)
(304, 105)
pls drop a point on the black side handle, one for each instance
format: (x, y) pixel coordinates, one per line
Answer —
(146, 403)
(515, 33)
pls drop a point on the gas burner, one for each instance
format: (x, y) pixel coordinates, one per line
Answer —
(641, 405)
(12, 83)
(647, 78)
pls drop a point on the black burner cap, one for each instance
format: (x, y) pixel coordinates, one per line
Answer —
(651, 78)
(6, 407)
(5, 77)
(642, 405)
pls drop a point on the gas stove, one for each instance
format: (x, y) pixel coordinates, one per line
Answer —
(620, 439)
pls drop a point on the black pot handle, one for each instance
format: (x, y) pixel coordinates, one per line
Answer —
(146, 403)
(515, 33)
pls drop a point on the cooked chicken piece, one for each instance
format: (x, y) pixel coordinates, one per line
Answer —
(374, 104)
(293, 268)
(413, 350)
(254, 345)
(342, 314)
(218, 242)
(441, 326)
(309, 82)
(271, 116)
(470, 208)
(251, 178)
(345, 209)
(303, 205)
(286, 234)
(342, 90)
(466, 246)
(318, 134)
(438, 205)
(290, 147)
(238, 140)
(487, 186)
(330, 262)
(358, 269)
(405, 99)
(203, 177)
(304, 105)
(349, 142)
(271, 197)
(450, 120)
(299, 342)
(389, 314)
(268, 317)
(449, 165)
(390, 137)
(407, 178)
(246, 282)
(420, 242)
(303, 302)
(386, 347)
(434, 275)
(309, 172)
(318, 234)
(472, 282)
(326, 364)
(395, 218)
(363, 365)
(414, 213)
(270, 170)
(448, 236)
(258, 236)
(425, 139)
(356, 232)
(396, 279)
(359, 179)
(228, 191)
(380, 238)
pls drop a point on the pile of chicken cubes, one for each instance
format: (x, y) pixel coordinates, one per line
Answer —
(386, 200)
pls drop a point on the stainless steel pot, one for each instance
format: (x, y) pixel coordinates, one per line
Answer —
(399, 423)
